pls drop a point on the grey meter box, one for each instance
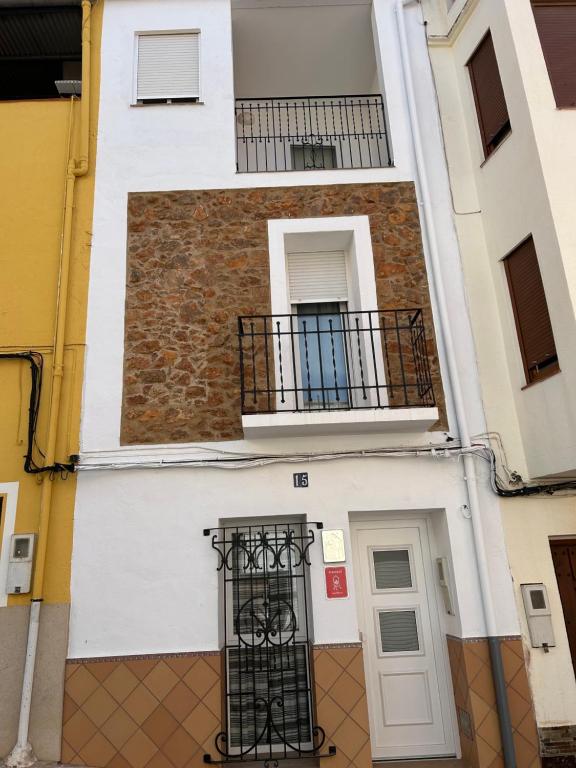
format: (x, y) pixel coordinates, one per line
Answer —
(539, 615)
(20, 563)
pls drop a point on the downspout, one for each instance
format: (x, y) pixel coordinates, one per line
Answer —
(459, 406)
(22, 754)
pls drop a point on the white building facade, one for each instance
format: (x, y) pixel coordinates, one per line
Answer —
(286, 541)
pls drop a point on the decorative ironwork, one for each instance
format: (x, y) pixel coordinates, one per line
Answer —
(301, 133)
(334, 361)
(269, 696)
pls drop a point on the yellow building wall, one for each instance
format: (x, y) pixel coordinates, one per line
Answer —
(36, 139)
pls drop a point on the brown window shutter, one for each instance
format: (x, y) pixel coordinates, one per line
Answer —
(488, 95)
(556, 24)
(531, 312)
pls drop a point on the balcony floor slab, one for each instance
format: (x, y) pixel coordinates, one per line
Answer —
(353, 422)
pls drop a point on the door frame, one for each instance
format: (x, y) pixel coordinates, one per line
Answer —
(397, 520)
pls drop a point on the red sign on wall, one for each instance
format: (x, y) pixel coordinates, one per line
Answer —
(336, 583)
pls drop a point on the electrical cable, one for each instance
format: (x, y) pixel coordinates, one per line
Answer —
(36, 361)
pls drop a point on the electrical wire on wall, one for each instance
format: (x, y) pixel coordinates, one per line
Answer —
(36, 362)
(504, 482)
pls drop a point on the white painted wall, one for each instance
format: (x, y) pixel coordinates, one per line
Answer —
(144, 577)
(303, 51)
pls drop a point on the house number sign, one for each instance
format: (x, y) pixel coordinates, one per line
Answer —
(300, 479)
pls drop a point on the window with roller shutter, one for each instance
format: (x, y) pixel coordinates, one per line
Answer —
(556, 24)
(168, 67)
(489, 97)
(531, 312)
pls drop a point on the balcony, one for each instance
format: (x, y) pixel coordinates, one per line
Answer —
(311, 133)
(335, 372)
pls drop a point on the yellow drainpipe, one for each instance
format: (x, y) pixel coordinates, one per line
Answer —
(22, 754)
(76, 168)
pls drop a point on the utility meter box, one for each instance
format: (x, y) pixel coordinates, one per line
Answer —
(20, 562)
(539, 615)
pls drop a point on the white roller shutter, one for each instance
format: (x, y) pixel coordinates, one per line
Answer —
(168, 66)
(317, 277)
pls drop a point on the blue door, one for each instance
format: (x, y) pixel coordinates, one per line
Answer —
(321, 343)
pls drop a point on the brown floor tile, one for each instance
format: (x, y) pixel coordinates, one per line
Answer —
(180, 748)
(99, 706)
(200, 723)
(160, 680)
(120, 683)
(79, 730)
(181, 701)
(201, 678)
(119, 728)
(140, 704)
(97, 752)
(81, 684)
(139, 750)
(102, 669)
(160, 726)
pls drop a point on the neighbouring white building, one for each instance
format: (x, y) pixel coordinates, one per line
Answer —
(286, 541)
(505, 73)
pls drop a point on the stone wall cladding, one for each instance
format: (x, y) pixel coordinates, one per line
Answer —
(199, 259)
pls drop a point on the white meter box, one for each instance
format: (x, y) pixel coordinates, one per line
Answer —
(20, 563)
(538, 615)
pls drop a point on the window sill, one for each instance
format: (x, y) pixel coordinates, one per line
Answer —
(495, 150)
(354, 422)
(544, 377)
(167, 104)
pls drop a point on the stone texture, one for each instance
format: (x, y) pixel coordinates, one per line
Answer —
(199, 259)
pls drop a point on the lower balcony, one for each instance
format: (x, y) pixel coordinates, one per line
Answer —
(331, 371)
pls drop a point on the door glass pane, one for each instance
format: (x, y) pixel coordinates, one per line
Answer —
(392, 569)
(398, 631)
(324, 381)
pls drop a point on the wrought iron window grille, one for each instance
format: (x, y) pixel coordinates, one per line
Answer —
(299, 133)
(268, 677)
(334, 361)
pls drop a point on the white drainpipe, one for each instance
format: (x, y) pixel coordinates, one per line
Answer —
(459, 406)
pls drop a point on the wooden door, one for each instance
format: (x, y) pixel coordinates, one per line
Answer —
(564, 558)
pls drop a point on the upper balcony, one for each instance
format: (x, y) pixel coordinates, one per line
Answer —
(325, 370)
(308, 95)
(307, 133)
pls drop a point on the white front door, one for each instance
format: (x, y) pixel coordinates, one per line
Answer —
(406, 675)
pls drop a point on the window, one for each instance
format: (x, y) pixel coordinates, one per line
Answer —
(556, 24)
(313, 156)
(168, 67)
(531, 312)
(488, 95)
(266, 601)
(38, 47)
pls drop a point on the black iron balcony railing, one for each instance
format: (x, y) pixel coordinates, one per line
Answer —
(334, 361)
(311, 133)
